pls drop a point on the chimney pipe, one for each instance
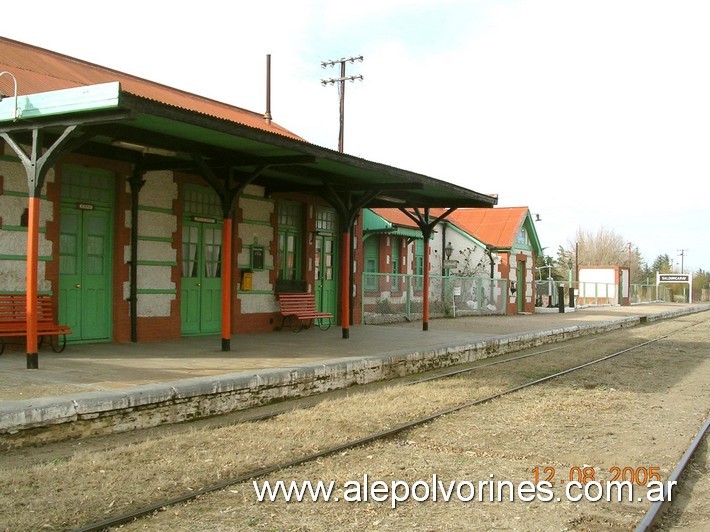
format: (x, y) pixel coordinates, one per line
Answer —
(267, 114)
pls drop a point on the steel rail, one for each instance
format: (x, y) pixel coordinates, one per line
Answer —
(147, 510)
(654, 514)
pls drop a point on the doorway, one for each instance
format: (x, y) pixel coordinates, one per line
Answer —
(201, 268)
(521, 286)
(85, 253)
(326, 272)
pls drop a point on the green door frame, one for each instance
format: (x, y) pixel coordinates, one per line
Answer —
(326, 261)
(326, 274)
(200, 292)
(85, 295)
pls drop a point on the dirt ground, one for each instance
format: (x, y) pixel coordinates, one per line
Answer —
(638, 411)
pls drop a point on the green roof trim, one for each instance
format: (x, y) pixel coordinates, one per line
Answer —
(374, 224)
(395, 231)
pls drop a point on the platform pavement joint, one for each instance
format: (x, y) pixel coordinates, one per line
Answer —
(43, 420)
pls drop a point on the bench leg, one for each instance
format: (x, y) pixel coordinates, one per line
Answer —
(292, 322)
(324, 324)
(58, 345)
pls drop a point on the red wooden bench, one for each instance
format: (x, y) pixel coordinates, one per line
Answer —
(13, 321)
(299, 309)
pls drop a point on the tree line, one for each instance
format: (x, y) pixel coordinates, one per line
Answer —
(606, 247)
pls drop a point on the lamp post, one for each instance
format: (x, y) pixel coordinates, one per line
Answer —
(549, 278)
(448, 250)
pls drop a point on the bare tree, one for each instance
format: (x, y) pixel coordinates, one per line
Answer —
(605, 247)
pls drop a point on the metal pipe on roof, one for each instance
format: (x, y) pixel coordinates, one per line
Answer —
(267, 114)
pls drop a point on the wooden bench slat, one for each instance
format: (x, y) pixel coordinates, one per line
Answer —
(13, 319)
(301, 306)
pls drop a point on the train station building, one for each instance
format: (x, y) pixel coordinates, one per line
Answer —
(497, 246)
(147, 213)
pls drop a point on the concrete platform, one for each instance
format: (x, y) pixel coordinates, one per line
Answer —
(104, 388)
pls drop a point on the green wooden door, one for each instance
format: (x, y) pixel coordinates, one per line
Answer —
(201, 287)
(85, 243)
(326, 274)
(325, 260)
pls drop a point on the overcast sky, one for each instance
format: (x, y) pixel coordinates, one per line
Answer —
(591, 113)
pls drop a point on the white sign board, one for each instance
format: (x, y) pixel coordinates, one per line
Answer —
(676, 278)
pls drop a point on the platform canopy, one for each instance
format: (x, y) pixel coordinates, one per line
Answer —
(124, 126)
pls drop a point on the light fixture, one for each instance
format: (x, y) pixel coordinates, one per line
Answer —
(537, 218)
(148, 150)
(16, 113)
(390, 199)
(448, 250)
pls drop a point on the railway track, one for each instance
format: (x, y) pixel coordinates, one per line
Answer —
(384, 434)
(658, 509)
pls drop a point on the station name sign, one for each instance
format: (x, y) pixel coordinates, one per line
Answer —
(673, 278)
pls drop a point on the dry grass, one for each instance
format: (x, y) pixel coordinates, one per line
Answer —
(550, 425)
(91, 486)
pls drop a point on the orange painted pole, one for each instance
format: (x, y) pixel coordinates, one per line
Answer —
(345, 287)
(425, 310)
(227, 285)
(31, 291)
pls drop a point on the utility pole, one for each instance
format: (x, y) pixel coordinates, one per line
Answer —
(681, 254)
(341, 88)
(629, 245)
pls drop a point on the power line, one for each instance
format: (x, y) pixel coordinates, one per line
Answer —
(341, 88)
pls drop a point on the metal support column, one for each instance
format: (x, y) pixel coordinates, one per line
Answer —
(36, 165)
(136, 183)
(426, 226)
(227, 283)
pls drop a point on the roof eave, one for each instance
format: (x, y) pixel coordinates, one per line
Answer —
(457, 196)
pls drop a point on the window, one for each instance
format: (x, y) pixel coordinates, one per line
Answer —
(419, 264)
(372, 245)
(522, 237)
(202, 201)
(87, 185)
(213, 251)
(326, 220)
(396, 243)
(288, 260)
(190, 245)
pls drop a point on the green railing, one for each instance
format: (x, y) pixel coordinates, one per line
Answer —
(597, 294)
(389, 298)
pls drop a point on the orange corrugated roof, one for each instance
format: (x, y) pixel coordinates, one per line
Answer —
(40, 70)
(498, 227)
(395, 216)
